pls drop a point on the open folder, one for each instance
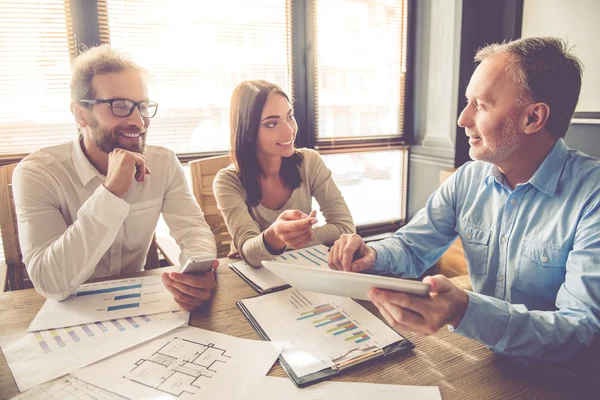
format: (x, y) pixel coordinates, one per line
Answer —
(264, 281)
(324, 334)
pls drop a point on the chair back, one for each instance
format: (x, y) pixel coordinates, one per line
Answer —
(203, 176)
(16, 272)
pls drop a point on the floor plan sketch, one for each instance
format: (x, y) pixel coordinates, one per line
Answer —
(180, 366)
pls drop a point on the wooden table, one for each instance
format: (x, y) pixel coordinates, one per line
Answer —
(460, 367)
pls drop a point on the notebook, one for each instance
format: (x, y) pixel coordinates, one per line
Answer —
(264, 281)
(324, 334)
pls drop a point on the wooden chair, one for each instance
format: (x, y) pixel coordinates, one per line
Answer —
(16, 272)
(203, 176)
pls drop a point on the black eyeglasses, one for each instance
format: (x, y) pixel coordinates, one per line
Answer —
(125, 107)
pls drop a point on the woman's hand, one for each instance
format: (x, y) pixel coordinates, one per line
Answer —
(292, 228)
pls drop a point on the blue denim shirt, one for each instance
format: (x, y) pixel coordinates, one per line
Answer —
(533, 253)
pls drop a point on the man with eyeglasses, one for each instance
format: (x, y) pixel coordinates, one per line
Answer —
(88, 208)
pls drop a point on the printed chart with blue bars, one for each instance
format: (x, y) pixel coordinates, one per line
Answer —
(63, 337)
(314, 256)
(122, 300)
(335, 322)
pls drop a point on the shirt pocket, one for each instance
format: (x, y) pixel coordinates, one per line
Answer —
(475, 241)
(140, 224)
(541, 270)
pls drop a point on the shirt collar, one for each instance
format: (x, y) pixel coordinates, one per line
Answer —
(83, 167)
(545, 179)
(547, 175)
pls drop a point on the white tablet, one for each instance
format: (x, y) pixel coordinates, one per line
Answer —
(340, 283)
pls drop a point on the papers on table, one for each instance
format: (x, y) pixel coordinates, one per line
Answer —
(104, 301)
(37, 357)
(263, 280)
(272, 388)
(67, 387)
(186, 363)
(323, 330)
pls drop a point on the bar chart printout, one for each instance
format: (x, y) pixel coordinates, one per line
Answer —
(106, 301)
(54, 349)
(321, 327)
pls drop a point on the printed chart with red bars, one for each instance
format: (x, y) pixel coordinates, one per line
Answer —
(63, 337)
(335, 322)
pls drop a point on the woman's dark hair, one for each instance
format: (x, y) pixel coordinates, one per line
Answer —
(247, 103)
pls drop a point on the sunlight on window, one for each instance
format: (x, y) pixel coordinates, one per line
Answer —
(197, 52)
(361, 67)
(34, 76)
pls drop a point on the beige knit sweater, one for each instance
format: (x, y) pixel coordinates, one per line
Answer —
(245, 224)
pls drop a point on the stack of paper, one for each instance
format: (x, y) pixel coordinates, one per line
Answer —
(264, 281)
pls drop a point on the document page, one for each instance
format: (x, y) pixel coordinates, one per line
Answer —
(103, 301)
(188, 363)
(314, 256)
(39, 356)
(67, 387)
(321, 329)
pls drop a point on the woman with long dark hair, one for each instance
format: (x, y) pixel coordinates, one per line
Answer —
(266, 195)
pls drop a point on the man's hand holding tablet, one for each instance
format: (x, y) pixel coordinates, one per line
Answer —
(425, 315)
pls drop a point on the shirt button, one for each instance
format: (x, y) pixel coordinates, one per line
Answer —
(450, 328)
(503, 239)
(500, 278)
(468, 236)
(513, 201)
(544, 259)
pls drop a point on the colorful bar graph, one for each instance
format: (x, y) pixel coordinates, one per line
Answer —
(318, 310)
(128, 296)
(117, 324)
(316, 256)
(144, 318)
(338, 327)
(87, 330)
(101, 326)
(132, 322)
(301, 254)
(72, 334)
(57, 337)
(109, 290)
(358, 336)
(42, 342)
(335, 318)
(122, 306)
(348, 328)
(363, 339)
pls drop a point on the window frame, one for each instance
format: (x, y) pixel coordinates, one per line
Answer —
(90, 16)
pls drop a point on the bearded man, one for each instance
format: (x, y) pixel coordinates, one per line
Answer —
(88, 208)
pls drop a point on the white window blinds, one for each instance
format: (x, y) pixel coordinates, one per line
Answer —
(34, 75)
(361, 67)
(196, 53)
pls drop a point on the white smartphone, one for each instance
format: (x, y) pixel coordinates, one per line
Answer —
(197, 265)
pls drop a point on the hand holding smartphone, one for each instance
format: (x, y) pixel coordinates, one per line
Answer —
(197, 265)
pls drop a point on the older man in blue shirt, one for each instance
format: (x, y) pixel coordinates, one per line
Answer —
(527, 212)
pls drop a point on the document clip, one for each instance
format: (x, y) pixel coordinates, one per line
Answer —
(344, 362)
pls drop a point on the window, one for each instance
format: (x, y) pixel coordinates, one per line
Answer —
(197, 52)
(361, 67)
(359, 103)
(34, 75)
(342, 61)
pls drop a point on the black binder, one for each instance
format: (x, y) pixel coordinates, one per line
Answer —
(254, 286)
(404, 345)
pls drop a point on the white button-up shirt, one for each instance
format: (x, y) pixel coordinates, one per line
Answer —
(71, 228)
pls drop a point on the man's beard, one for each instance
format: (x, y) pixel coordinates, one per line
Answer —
(108, 139)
